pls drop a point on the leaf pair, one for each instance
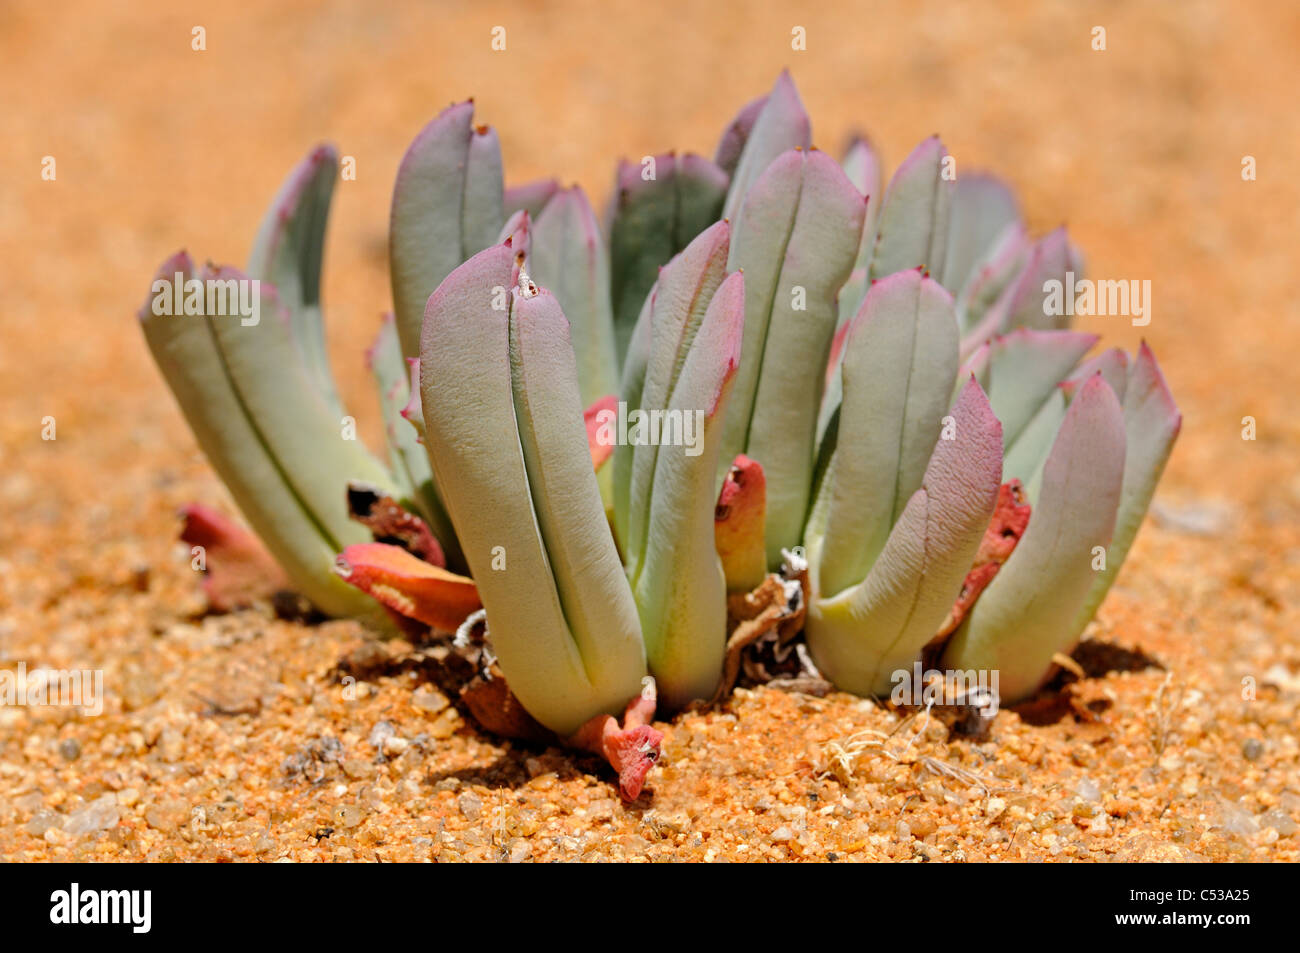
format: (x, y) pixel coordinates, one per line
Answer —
(907, 491)
(255, 386)
(680, 371)
(504, 431)
(1089, 492)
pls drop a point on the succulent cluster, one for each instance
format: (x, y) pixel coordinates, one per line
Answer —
(769, 394)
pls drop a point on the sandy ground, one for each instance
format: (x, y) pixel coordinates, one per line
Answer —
(231, 737)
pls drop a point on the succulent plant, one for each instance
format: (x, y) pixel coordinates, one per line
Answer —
(770, 394)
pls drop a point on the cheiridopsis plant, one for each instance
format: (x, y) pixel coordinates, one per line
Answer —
(767, 372)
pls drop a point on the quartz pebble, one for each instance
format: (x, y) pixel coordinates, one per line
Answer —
(100, 814)
(470, 805)
(41, 822)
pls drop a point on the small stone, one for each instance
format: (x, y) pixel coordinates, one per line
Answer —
(166, 815)
(429, 700)
(994, 807)
(379, 734)
(348, 816)
(70, 749)
(1251, 749)
(355, 768)
(171, 745)
(100, 814)
(394, 746)
(1279, 822)
(470, 805)
(445, 725)
(128, 797)
(42, 821)
(1085, 809)
(58, 837)
(782, 835)
(1232, 818)
(528, 823)
(921, 826)
(519, 851)
(1087, 789)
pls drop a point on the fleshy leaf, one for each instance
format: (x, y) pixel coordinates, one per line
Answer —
(384, 360)
(447, 205)
(899, 358)
(796, 239)
(468, 390)
(315, 450)
(736, 135)
(860, 637)
(681, 298)
(863, 168)
(188, 356)
(834, 392)
(1024, 302)
(983, 208)
(913, 223)
(530, 197)
(1008, 523)
(593, 590)
(630, 386)
(680, 589)
(518, 233)
(1024, 459)
(782, 124)
(1028, 613)
(399, 402)
(738, 525)
(1111, 363)
(408, 585)
(1021, 369)
(568, 257)
(1151, 425)
(652, 219)
(287, 253)
(413, 412)
(988, 282)
(1026, 455)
